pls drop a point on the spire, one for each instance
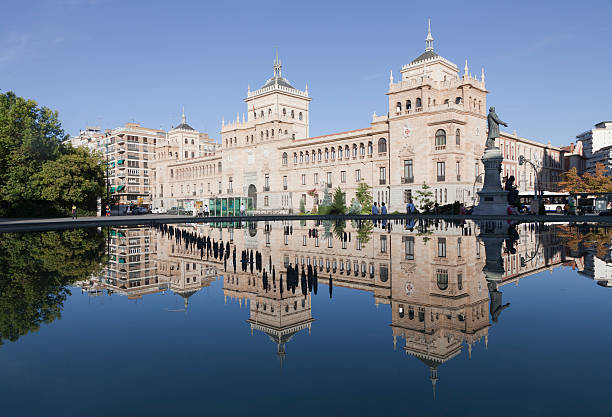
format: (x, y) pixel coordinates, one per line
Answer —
(183, 118)
(429, 39)
(482, 79)
(277, 66)
(433, 376)
(306, 90)
(465, 69)
(390, 77)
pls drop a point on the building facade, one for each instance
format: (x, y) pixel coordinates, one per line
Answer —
(596, 144)
(433, 133)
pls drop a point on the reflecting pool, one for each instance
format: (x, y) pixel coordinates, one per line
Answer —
(307, 318)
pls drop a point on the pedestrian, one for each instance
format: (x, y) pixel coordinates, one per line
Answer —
(242, 210)
(206, 210)
(74, 212)
(410, 207)
(384, 213)
(375, 212)
(107, 210)
(436, 208)
(462, 210)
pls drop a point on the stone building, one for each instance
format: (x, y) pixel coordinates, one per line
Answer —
(433, 133)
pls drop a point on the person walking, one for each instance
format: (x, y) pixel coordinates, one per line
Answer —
(206, 210)
(74, 212)
(383, 211)
(242, 210)
(410, 207)
(375, 212)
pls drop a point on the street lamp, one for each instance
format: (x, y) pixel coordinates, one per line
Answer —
(522, 161)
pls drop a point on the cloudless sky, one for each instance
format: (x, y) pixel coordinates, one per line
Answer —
(548, 64)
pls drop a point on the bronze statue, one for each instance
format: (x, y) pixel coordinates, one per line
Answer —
(493, 121)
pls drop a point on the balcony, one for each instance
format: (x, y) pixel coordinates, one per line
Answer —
(382, 181)
(458, 177)
(266, 188)
(229, 191)
(329, 185)
(441, 178)
(440, 147)
(284, 187)
(407, 180)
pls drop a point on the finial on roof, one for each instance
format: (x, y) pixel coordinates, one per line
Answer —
(306, 90)
(482, 77)
(277, 65)
(391, 76)
(223, 121)
(249, 88)
(183, 118)
(429, 39)
(465, 69)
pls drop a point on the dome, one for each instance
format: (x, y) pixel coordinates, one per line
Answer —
(183, 126)
(425, 55)
(278, 80)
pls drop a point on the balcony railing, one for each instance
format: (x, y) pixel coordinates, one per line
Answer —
(382, 182)
(230, 191)
(329, 185)
(440, 147)
(407, 180)
(441, 178)
(458, 177)
(266, 188)
(284, 187)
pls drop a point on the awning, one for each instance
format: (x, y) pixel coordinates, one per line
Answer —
(121, 187)
(121, 260)
(120, 162)
(112, 165)
(112, 189)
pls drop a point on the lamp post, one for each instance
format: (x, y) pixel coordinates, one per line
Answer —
(522, 161)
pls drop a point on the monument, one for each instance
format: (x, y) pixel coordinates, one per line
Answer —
(493, 198)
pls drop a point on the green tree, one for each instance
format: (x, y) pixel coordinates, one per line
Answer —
(30, 137)
(364, 196)
(77, 177)
(355, 207)
(35, 272)
(424, 198)
(364, 232)
(338, 205)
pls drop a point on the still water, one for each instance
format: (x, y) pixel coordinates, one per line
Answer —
(303, 319)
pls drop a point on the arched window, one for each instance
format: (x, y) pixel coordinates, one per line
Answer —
(361, 149)
(333, 153)
(272, 132)
(398, 107)
(294, 158)
(267, 134)
(382, 145)
(440, 137)
(192, 142)
(262, 134)
(446, 101)
(186, 141)
(301, 157)
(408, 105)
(347, 151)
(319, 154)
(326, 154)
(370, 148)
(292, 114)
(219, 169)
(418, 103)
(300, 116)
(284, 158)
(284, 112)
(458, 137)
(307, 156)
(339, 152)
(458, 100)
(269, 112)
(355, 150)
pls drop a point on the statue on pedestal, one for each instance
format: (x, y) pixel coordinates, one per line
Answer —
(493, 122)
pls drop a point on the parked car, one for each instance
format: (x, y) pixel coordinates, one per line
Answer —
(179, 211)
(158, 210)
(605, 213)
(139, 210)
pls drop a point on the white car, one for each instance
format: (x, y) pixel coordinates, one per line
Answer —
(157, 210)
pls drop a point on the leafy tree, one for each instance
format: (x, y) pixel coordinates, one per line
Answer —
(35, 272)
(30, 137)
(364, 197)
(424, 198)
(338, 205)
(355, 207)
(588, 183)
(76, 177)
(364, 232)
(325, 206)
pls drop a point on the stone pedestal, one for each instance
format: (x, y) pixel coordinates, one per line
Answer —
(493, 199)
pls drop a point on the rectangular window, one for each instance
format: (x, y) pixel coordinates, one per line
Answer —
(408, 171)
(383, 175)
(284, 182)
(304, 240)
(358, 247)
(442, 247)
(409, 248)
(316, 178)
(357, 175)
(303, 179)
(441, 169)
(458, 247)
(343, 176)
(407, 195)
(383, 244)
(458, 169)
(329, 179)
(267, 182)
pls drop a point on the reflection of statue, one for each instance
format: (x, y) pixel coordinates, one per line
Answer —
(493, 122)
(495, 306)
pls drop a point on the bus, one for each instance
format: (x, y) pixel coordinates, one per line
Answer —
(554, 202)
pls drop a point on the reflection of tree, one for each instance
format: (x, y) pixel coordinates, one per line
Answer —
(586, 236)
(35, 270)
(364, 232)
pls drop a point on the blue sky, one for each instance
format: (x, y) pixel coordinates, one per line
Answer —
(103, 62)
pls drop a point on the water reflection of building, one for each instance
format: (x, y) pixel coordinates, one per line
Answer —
(432, 278)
